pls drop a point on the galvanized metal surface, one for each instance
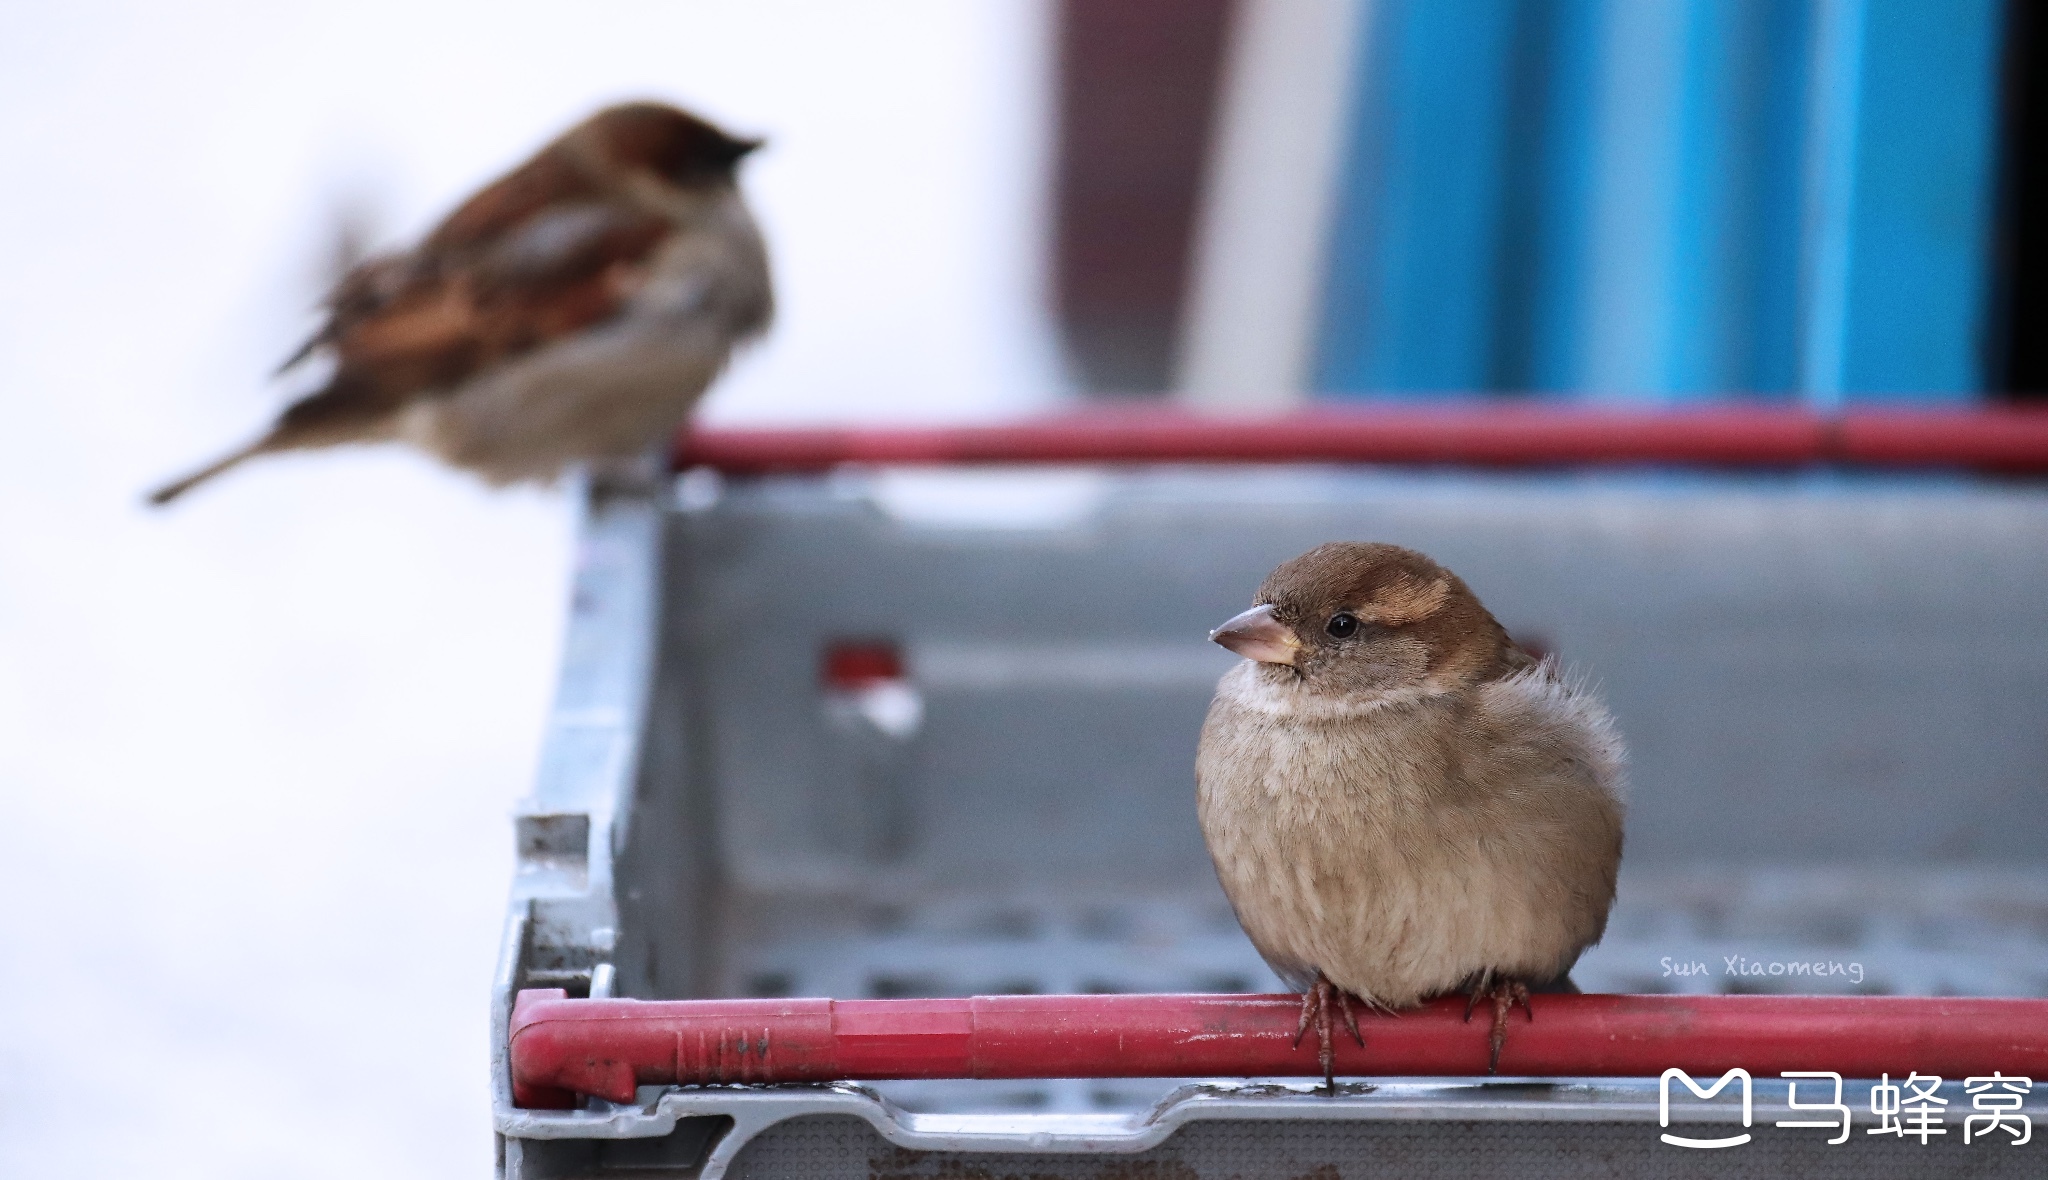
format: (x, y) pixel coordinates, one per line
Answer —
(1834, 691)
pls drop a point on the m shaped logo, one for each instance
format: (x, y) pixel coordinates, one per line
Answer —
(1664, 1106)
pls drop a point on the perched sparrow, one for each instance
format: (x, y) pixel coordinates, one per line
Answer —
(1400, 802)
(573, 310)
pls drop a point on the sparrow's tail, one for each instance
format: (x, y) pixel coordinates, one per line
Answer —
(179, 487)
(348, 409)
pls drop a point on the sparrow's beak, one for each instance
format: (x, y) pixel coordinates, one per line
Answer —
(1257, 635)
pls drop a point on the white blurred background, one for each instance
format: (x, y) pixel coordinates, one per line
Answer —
(257, 753)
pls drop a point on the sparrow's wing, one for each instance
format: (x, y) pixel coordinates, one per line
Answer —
(408, 327)
(365, 289)
(564, 269)
(549, 180)
(417, 326)
(501, 210)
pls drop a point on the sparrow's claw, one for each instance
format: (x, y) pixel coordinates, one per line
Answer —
(1350, 1019)
(1505, 994)
(1309, 999)
(1316, 1003)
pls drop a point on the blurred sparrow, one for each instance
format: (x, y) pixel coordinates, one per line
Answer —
(574, 310)
(1399, 801)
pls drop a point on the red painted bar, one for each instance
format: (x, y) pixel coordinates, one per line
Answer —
(562, 1047)
(2000, 439)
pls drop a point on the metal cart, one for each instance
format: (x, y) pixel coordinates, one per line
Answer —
(841, 716)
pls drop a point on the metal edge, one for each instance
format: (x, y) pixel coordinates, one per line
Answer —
(755, 1110)
(600, 700)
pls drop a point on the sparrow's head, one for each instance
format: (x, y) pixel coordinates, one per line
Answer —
(675, 145)
(1350, 617)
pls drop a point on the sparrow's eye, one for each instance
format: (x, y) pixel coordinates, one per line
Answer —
(1342, 625)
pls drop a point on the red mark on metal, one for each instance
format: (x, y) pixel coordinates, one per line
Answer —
(853, 665)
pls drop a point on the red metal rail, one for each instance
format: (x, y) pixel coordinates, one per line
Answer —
(2000, 439)
(562, 1047)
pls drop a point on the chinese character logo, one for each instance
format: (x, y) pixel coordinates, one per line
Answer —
(1836, 1107)
(1999, 1097)
(1909, 1112)
(1664, 1106)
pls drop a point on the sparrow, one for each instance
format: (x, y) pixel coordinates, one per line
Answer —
(573, 310)
(1400, 802)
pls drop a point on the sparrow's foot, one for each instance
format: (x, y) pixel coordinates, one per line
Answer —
(626, 476)
(1316, 1003)
(1505, 994)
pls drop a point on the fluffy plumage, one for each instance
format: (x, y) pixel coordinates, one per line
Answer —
(1398, 799)
(575, 309)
